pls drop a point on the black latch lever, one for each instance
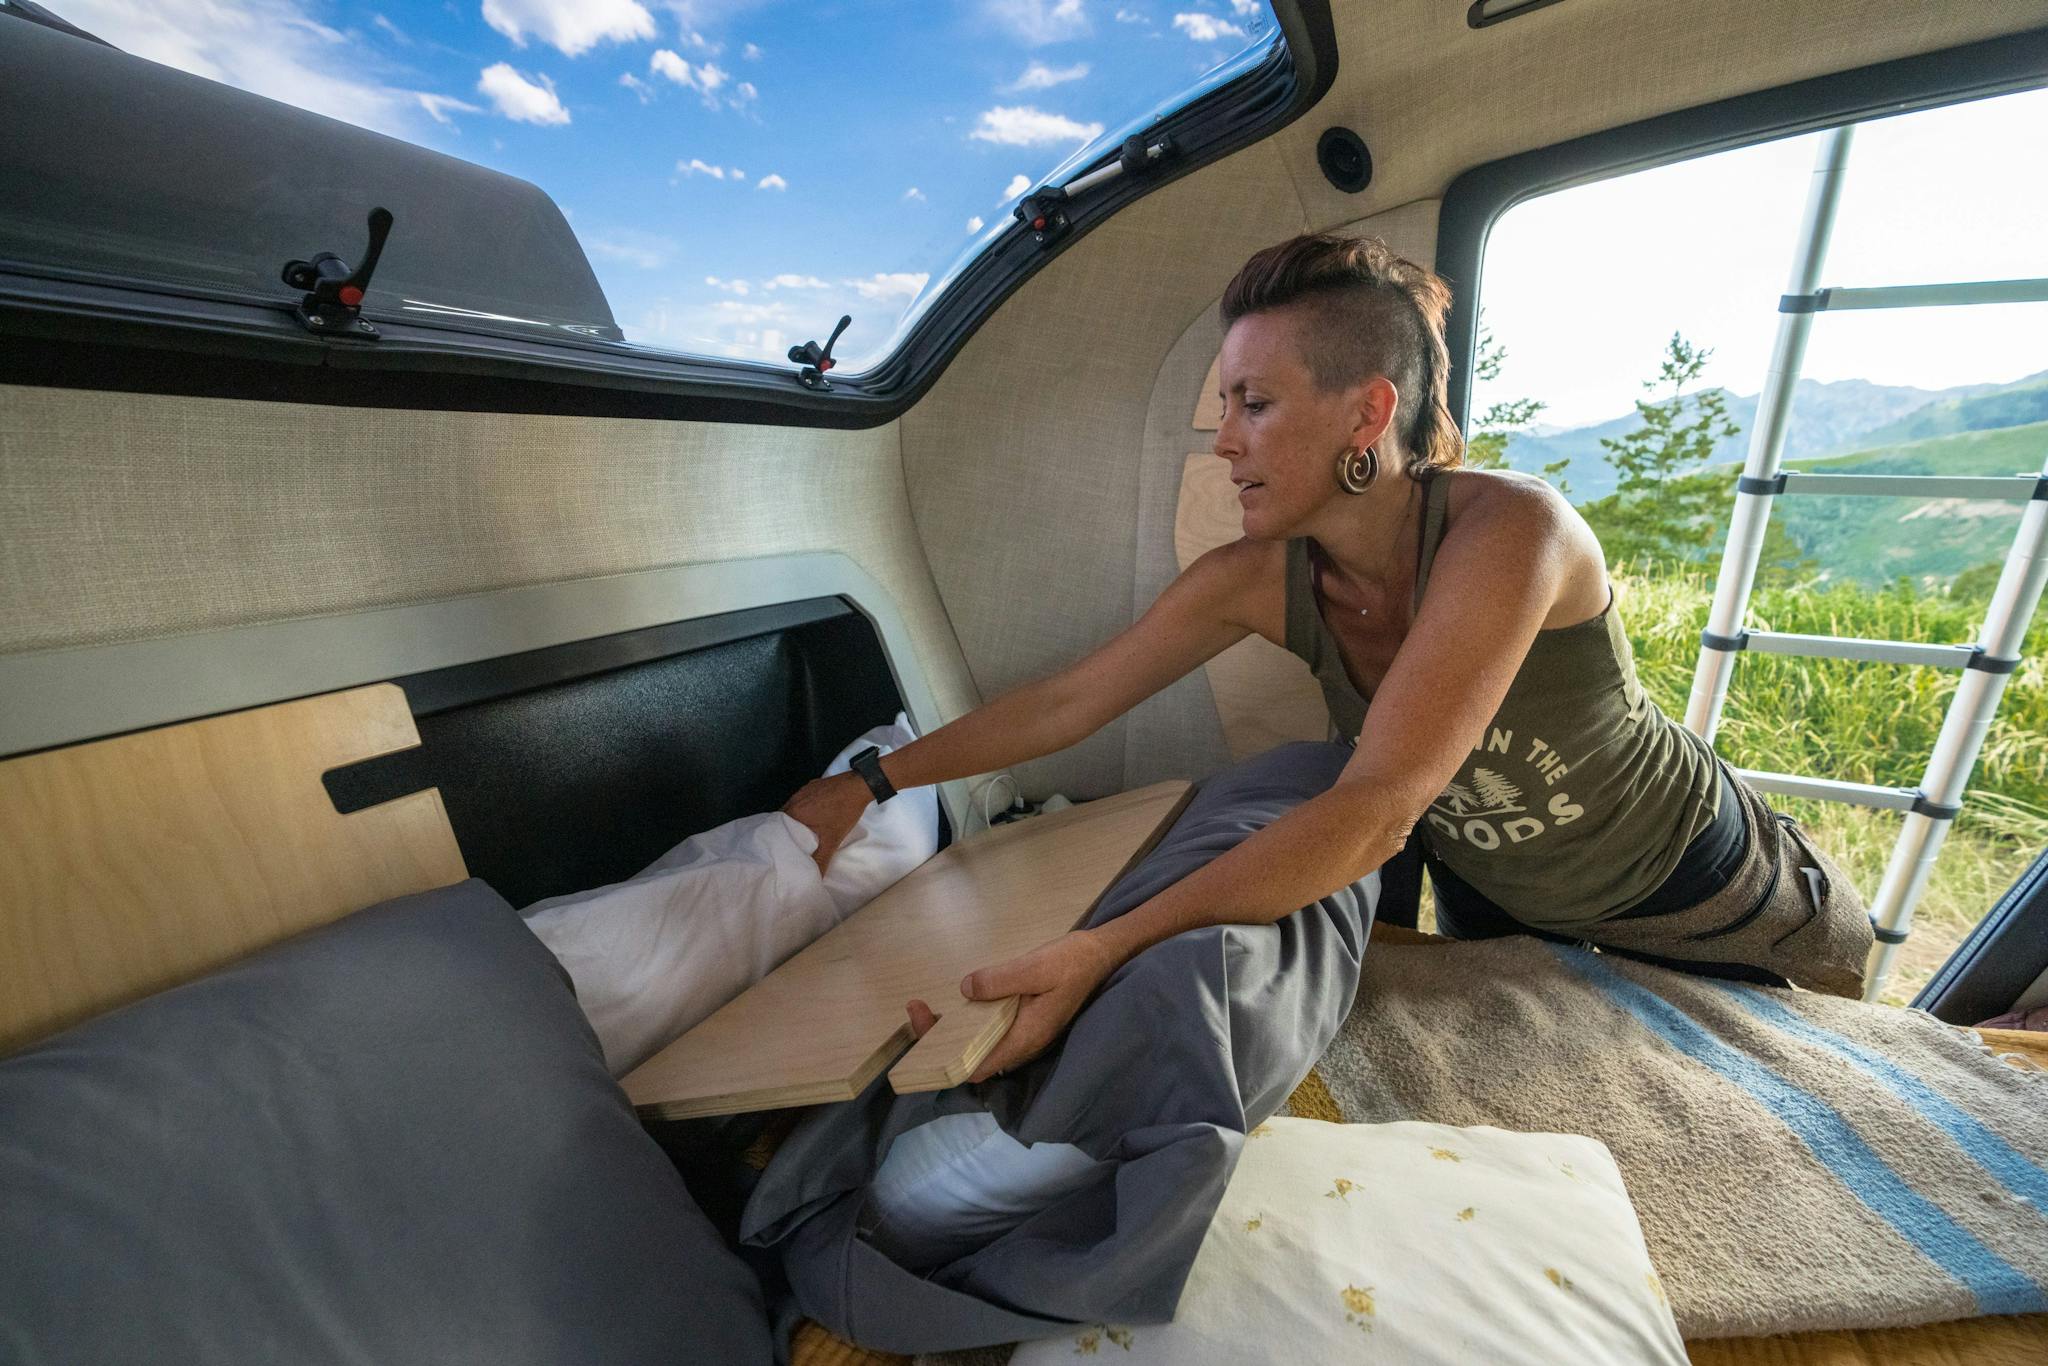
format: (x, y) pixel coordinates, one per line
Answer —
(816, 360)
(333, 305)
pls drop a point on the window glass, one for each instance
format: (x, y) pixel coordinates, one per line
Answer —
(1662, 288)
(739, 174)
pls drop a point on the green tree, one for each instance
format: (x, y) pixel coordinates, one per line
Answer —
(1667, 505)
(1487, 447)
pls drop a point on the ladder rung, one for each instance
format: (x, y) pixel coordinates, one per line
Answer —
(2011, 488)
(1829, 790)
(1919, 296)
(1871, 651)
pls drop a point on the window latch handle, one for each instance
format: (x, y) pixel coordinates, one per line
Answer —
(816, 359)
(333, 302)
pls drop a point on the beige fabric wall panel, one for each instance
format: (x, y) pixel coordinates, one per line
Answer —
(126, 516)
(1433, 97)
(1026, 463)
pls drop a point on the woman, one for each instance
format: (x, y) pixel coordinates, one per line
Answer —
(1464, 632)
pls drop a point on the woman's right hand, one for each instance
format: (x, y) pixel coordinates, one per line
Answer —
(829, 808)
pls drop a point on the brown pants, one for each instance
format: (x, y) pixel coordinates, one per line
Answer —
(1788, 909)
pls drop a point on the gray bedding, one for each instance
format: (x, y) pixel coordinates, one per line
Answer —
(1187, 1047)
(390, 1140)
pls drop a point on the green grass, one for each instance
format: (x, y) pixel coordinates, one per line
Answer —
(1870, 723)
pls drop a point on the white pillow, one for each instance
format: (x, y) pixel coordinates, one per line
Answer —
(958, 1182)
(655, 954)
(1415, 1244)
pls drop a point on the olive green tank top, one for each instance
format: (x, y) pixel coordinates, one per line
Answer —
(1580, 796)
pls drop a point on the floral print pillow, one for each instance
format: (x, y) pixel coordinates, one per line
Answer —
(1408, 1243)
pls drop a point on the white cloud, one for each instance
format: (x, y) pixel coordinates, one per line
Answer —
(1206, 28)
(267, 47)
(729, 286)
(796, 282)
(751, 53)
(901, 284)
(737, 173)
(772, 182)
(1245, 9)
(915, 194)
(1039, 76)
(732, 311)
(697, 42)
(1023, 126)
(1018, 185)
(1038, 22)
(437, 106)
(520, 99)
(571, 26)
(637, 86)
(704, 78)
(1130, 16)
(642, 249)
(381, 22)
(975, 224)
(697, 166)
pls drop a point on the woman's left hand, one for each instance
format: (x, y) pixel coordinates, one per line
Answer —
(1054, 980)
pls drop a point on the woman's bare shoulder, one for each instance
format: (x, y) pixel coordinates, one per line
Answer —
(1519, 515)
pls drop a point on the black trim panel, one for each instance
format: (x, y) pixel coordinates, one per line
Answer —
(1481, 195)
(2001, 958)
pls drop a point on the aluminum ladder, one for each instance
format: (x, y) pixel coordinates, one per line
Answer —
(1931, 808)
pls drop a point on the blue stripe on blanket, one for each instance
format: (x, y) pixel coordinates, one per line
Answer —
(1999, 1287)
(1984, 1147)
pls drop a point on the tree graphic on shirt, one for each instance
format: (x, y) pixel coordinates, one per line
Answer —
(1498, 792)
(1458, 800)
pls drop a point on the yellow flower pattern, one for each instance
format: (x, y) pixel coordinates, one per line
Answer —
(1465, 1215)
(1656, 1286)
(1251, 1225)
(1340, 1190)
(1558, 1278)
(1089, 1343)
(1445, 1155)
(1358, 1307)
(1262, 1131)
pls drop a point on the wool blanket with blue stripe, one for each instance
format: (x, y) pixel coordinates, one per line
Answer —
(1797, 1161)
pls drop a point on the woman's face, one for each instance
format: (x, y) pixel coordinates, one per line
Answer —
(1280, 433)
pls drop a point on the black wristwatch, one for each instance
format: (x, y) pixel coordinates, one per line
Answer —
(868, 763)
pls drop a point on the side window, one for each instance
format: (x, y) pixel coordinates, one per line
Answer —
(1627, 332)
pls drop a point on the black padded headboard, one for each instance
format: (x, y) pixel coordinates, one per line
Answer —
(575, 766)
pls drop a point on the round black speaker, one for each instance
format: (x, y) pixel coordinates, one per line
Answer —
(1345, 161)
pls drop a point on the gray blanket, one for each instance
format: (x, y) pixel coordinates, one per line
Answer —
(1186, 1047)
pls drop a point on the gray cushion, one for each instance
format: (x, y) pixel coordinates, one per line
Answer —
(391, 1140)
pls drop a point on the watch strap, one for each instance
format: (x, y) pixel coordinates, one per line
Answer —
(868, 763)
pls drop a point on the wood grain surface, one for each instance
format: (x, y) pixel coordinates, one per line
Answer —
(132, 864)
(1264, 695)
(827, 1022)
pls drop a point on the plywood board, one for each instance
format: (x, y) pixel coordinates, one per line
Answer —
(826, 1023)
(1264, 695)
(132, 864)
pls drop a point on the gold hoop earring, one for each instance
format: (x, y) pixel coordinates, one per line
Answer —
(1356, 469)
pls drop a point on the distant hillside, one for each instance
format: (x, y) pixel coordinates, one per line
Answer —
(1845, 415)
(1875, 540)
(2014, 405)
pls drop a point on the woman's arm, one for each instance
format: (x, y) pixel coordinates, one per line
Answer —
(1203, 612)
(1492, 587)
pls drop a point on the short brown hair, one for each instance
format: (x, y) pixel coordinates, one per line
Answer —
(1370, 313)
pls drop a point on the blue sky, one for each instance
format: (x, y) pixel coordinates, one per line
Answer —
(1584, 286)
(739, 172)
